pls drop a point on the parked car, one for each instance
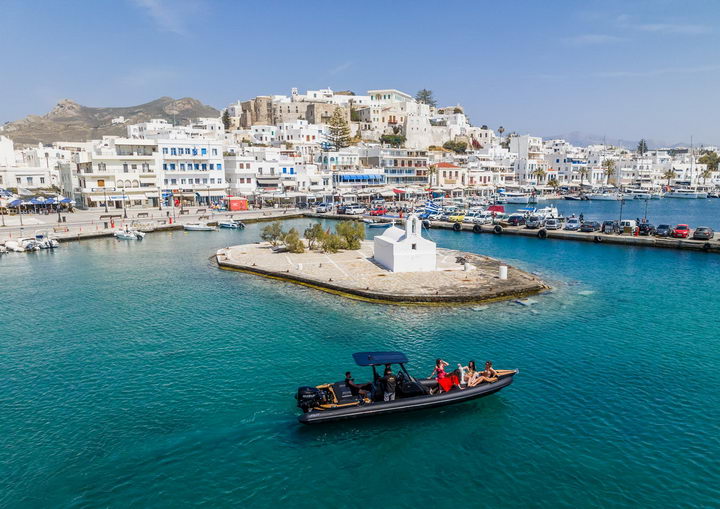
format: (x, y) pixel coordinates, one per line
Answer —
(681, 231)
(516, 219)
(499, 217)
(572, 224)
(646, 229)
(663, 230)
(703, 233)
(533, 222)
(341, 209)
(553, 224)
(457, 217)
(590, 226)
(610, 227)
(355, 210)
(323, 207)
(380, 211)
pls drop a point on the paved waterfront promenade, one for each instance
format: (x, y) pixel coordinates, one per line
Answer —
(96, 222)
(354, 274)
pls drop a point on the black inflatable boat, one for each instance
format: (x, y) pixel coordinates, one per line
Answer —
(336, 401)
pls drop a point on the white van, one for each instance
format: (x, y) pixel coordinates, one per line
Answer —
(628, 226)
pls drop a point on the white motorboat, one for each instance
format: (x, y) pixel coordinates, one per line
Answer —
(3, 249)
(687, 194)
(656, 196)
(14, 246)
(548, 212)
(522, 198)
(381, 225)
(639, 194)
(605, 196)
(45, 241)
(28, 244)
(129, 235)
(231, 223)
(198, 227)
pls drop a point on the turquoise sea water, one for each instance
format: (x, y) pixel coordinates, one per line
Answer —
(138, 374)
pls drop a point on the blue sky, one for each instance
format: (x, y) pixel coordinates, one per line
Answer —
(618, 68)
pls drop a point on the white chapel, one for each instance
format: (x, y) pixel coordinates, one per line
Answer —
(405, 250)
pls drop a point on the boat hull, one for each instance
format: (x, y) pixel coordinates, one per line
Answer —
(406, 404)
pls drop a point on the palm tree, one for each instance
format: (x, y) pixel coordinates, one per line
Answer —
(670, 174)
(584, 172)
(538, 173)
(432, 172)
(608, 169)
(706, 174)
(554, 183)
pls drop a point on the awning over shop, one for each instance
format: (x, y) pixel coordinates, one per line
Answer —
(151, 195)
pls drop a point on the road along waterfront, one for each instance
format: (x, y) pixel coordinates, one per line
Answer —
(140, 374)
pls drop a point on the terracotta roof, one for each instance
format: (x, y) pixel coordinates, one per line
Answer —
(446, 165)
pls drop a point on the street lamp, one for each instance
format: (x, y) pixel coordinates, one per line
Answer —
(105, 196)
(123, 200)
(208, 189)
(622, 202)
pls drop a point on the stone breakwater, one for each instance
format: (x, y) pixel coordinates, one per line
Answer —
(354, 274)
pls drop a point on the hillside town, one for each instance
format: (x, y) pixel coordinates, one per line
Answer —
(327, 146)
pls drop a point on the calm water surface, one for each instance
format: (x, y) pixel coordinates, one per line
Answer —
(138, 374)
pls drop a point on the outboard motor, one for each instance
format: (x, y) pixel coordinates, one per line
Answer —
(309, 397)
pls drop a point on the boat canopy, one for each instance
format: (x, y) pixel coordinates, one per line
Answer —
(379, 358)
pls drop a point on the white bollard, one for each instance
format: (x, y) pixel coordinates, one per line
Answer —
(503, 271)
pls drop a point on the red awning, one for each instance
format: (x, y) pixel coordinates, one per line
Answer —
(496, 208)
(398, 191)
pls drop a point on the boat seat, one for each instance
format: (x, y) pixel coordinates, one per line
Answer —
(343, 393)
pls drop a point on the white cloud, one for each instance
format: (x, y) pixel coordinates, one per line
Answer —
(664, 28)
(592, 39)
(657, 72)
(340, 68)
(169, 16)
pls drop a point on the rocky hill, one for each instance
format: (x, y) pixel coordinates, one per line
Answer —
(70, 121)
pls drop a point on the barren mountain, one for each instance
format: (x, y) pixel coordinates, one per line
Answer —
(70, 121)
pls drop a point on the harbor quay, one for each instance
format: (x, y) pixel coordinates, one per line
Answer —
(89, 224)
(356, 274)
(708, 246)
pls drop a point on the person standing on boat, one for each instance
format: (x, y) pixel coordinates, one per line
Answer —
(439, 370)
(389, 383)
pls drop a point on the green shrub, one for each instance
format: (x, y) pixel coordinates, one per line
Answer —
(273, 233)
(352, 232)
(314, 235)
(332, 243)
(293, 242)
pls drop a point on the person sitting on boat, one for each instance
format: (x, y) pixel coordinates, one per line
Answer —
(487, 375)
(358, 390)
(468, 372)
(389, 382)
(445, 380)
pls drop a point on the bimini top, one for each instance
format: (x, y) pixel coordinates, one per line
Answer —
(379, 358)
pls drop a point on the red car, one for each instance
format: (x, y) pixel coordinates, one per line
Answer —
(681, 231)
(378, 211)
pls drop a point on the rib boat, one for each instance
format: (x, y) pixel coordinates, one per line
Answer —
(335, 401)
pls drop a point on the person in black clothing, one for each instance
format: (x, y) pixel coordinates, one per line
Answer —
(364, 390)
(389, 382)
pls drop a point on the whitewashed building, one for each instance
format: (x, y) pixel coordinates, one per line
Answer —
(405, 250)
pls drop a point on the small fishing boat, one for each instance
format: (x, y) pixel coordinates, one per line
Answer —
(128, 234)
(381, 224)
(199, 227)
(335, 401)
(232, 224)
